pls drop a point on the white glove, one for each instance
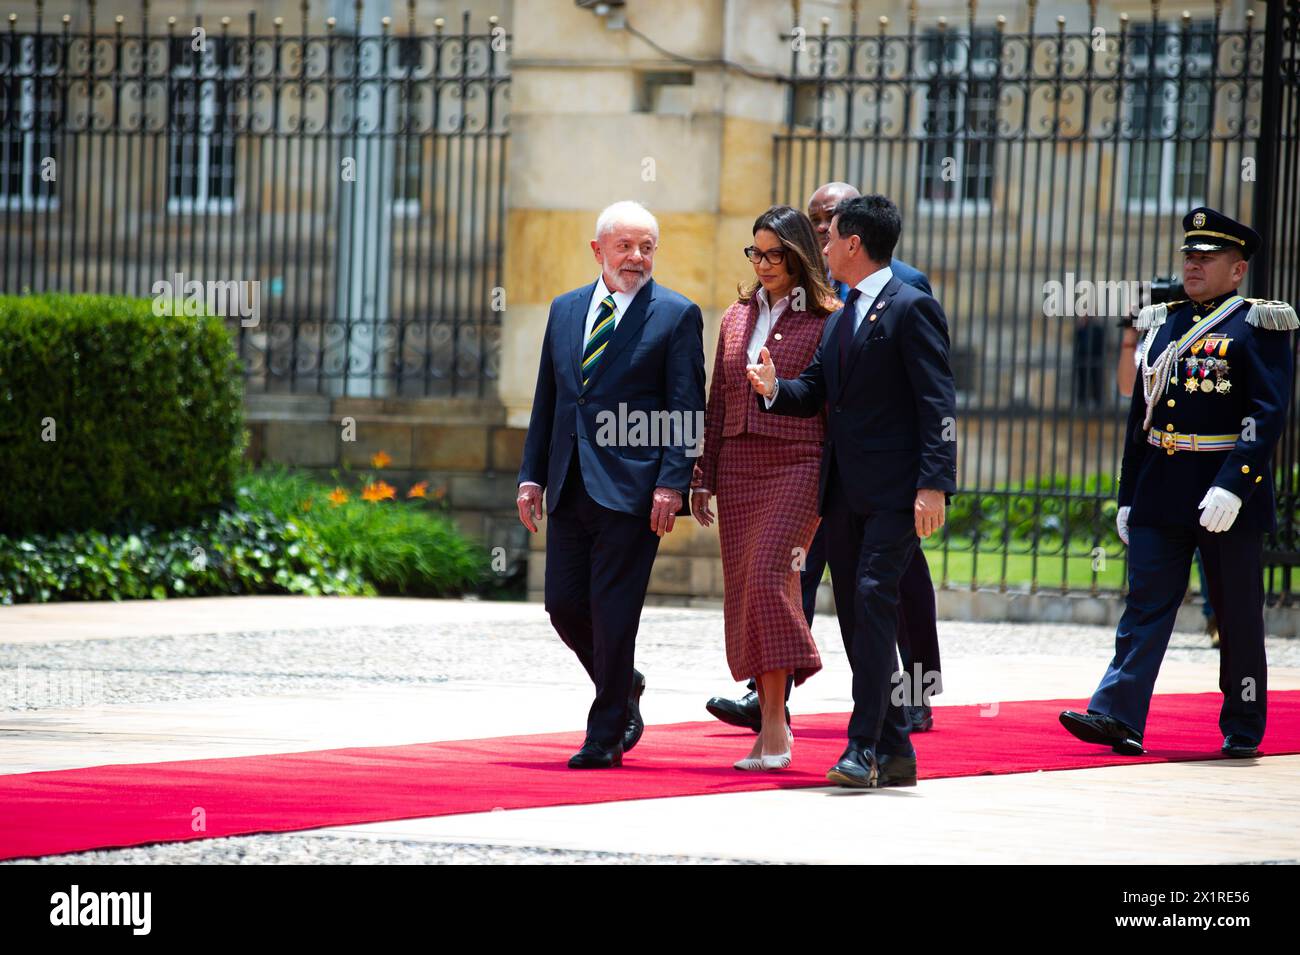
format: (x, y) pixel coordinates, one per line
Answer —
(1219, 509)
(1121, 524)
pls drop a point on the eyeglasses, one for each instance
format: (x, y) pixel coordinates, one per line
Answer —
(773, 256)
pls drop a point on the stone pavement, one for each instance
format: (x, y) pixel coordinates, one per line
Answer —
(90, 684)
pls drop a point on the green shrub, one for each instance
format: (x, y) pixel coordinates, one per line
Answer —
(401, 547)
(232, 552)
(146, 415)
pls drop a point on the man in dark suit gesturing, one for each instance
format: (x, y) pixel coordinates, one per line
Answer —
(890, 460)
(619, 404)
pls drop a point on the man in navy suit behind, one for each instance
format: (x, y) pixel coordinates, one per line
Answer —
(889, 462)
(617, 417)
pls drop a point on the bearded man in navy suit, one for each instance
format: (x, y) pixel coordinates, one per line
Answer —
(617, 353)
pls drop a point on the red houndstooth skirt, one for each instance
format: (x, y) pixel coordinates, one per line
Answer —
(767, 508)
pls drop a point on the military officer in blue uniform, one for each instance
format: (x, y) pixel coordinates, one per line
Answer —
(1210, 403)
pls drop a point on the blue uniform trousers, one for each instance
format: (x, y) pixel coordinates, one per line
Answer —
(1160, 559)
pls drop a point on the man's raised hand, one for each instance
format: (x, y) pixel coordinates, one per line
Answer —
(763, 375)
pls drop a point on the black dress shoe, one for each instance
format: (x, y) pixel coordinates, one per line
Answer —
(594, 756)
(921, 718)
(856, 769)
(1239, 747)
(1103, 730)
(896, 770)
(744, 712)
(635, 725)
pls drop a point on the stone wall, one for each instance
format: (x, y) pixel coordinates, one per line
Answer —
(461, 446)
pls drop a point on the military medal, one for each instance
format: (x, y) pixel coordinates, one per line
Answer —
(1190, 383)
(1221, 383)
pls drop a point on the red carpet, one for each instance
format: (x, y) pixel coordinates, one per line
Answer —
(74, 809)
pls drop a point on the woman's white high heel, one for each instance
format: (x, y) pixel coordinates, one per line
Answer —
(781, 760)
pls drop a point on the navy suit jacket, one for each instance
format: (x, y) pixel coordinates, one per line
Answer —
(653, 363)
(891, 420)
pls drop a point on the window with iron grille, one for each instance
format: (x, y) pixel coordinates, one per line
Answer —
(1167, 110)
(31, 114)
(407, 81)
(201, 141)
(958, 118)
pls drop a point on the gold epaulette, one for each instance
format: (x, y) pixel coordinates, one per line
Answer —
(1153, 316)
(1277, 316)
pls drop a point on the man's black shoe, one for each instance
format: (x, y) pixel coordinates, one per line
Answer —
(744, 712)
(856, 769)
(896, 770)
(1103, 730)
(594, 756)
(635, 725)
(1239, 747)
(921, 718)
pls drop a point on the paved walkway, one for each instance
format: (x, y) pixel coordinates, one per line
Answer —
(89, 684)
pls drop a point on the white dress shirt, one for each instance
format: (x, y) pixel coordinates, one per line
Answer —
(763, 325)
(621, 302)
(868, 289)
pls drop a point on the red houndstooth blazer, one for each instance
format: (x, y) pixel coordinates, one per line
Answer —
(732, 409)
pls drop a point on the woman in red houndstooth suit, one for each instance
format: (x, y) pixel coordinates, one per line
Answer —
(764, 470)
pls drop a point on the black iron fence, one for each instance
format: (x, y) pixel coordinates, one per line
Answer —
(338, 189)
(1043, 176)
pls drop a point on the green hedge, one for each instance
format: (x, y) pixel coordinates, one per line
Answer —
(146, 413)
(233, 552)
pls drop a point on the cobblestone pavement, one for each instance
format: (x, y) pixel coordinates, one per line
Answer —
(289, 849)
(275, 662)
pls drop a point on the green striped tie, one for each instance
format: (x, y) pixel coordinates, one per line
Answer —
(600, 335)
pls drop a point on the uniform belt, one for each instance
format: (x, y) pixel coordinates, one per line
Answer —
(1171, 441)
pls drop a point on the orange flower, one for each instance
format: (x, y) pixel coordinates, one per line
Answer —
(338, 496)
(439, 494)
(380, 460)
(306, 505)
(378, 491)
(417, 490)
